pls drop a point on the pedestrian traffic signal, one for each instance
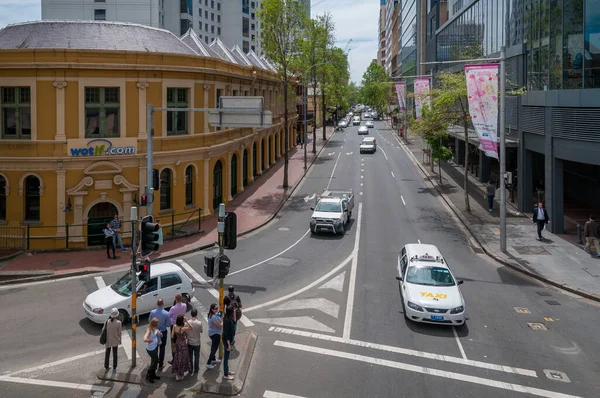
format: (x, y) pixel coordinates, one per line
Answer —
(209, 266)
(224, 264)
(144, 270)
(230, 231)
(144, 200)
(149, 236)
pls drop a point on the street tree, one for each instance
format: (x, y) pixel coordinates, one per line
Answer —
(336, 84)
(352, 95)
(281, 22)
(376, 87)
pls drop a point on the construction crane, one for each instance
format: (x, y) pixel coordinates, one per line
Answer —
(347, 48)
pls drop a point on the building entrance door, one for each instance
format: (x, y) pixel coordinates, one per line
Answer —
(98, 216)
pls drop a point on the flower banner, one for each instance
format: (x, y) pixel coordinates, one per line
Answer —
(421, 89)
(401, 92)
(482, 90)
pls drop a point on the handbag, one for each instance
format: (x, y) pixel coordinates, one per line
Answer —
(103, 335)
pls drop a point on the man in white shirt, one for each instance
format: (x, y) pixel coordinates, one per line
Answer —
(194, 341)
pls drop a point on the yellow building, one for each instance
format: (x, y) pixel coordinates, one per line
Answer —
(73, 99)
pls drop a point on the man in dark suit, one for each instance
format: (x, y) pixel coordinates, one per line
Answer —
(540, 217)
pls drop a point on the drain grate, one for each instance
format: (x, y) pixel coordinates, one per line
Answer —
(537, 326)
(522, 310)
(552, 302)
(557, 375)
(59, 263)
(544, 294)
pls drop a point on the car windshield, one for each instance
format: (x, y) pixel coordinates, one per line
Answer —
(329, 207)
(366, 143)
(429, 276)
(123, 285)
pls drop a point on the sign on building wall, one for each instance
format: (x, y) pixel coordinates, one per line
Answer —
(101, 147)
(482, 90)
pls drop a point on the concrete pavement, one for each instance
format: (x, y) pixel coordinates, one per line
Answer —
(555, 260)
(255, 206)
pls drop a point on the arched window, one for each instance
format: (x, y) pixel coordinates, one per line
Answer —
(32, 199)
(263, 155)
(165, 189)
(234, 174)
(245, 167)
(2, 198)
(189, 185)
(254, 159)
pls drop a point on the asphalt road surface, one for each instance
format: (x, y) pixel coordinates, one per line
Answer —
(327, 308)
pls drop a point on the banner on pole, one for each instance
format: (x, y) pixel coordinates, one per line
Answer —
(482, 92)
(421, 100)
(401, 92)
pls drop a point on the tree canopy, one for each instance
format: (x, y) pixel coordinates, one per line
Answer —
(376, 86)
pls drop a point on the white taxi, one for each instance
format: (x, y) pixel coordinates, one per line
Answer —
(429, 291)
(166, 280)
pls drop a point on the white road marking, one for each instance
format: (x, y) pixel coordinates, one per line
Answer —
(418, 240)
(361, 192)
(100, 282)
(49, 383)
(403, 202)
(320, 304)
(273, 394)
(406, 351)
(382, 151)
(427, 371)
(302, 322)
(362, 169)
(336, 283)
(352, 283)
(362, 176)
(126, 343)
(333, 171)
(361, 184)
(56, 363)
(247, 322)
(201, 309)
(460, 347)
(393, 176)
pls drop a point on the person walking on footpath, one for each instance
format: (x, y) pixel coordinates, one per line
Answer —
(215, 328)
(591, 231)
(228, 341)
(113, 338)
(179, 346)
(164, 323)
(194, 341)
(179, 308)
(233, 300)
(151, 338)
(109, 241)
(490, 193)
(115, 225)
(540, 217)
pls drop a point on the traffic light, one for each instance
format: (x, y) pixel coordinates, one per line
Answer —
(224, 264)
(149, 236)
(144, 270)
(155, 180)
(209, 266)
(144, 200)
(230, 232)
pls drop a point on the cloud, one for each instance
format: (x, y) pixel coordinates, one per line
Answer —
(15, 11)
(357, 20)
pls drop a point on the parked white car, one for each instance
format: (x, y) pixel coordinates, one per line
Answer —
(167, 279)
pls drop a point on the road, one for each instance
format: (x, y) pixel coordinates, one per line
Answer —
(327, 309)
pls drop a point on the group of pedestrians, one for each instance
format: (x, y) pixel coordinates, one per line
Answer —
(112, 236)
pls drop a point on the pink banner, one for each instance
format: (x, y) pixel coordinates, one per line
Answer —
(482, 90)
(421, 90)
(401, 92)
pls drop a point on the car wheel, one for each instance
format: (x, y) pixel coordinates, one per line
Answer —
(312, 231)
(123, 317)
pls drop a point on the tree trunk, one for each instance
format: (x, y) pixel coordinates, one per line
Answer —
(314, 150)
(324, 115)
(466, 182)
(286, 138)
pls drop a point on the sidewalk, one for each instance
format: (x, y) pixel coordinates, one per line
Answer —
(555, 261)
(255, 206)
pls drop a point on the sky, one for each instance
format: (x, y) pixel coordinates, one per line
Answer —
(354, 19)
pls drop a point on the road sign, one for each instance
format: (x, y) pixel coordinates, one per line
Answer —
(243, 118)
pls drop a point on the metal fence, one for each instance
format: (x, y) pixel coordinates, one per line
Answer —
(13, 237)
(57, 237)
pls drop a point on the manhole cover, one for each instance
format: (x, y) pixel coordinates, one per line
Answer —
(552, 302)
(286, 262)
(532, 250)
(478, 250)
(283, 229)
(59, 263)
(557, 375)
(522, 310)
(544, 294)
(537, 326)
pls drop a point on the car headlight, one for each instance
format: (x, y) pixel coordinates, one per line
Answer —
(414, 306)
(457, 310)
(98, 310)
(337, 221)
(312, 219)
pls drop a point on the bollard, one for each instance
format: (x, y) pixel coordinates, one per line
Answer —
(579, 241)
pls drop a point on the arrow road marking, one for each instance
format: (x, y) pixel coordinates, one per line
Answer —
(273, 394)
(349, 153)
(331, 153)
(321, 304)
(309, 198)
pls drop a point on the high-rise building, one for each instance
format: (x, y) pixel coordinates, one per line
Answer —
(382, 47)
(392, 12)
(235, 22)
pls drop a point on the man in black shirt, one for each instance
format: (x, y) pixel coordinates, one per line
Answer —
(234, 301)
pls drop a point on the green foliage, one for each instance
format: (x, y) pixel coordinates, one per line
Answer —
(352, 94)
(376, 87)
(336, 82)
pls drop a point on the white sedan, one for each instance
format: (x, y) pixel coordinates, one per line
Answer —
(429, 292)
(363, 130)
(166, 280)
(369, 124)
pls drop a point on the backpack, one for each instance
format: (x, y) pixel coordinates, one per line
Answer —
(236, 306)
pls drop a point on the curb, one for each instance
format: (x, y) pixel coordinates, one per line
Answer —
(483, 247)
(11, 256)
(235, 387)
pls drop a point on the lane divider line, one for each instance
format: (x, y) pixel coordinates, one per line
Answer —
(56, 363)
(393, 176)
(100, 282)
(50, 383)
(273, 394)
(352, 283)
(403, 202)
(333, 171)
(460, 347)
(382, 151)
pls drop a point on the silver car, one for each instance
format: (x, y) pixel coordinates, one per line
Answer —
(369, 124)
(363, 130)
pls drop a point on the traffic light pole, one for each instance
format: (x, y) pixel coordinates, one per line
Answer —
(133, 217)
(221, 230)
(149, 160)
